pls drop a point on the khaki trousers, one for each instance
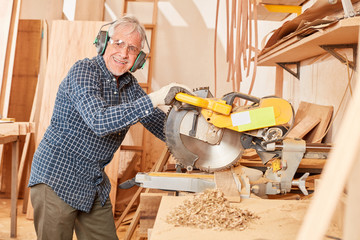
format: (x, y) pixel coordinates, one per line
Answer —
(56, 220)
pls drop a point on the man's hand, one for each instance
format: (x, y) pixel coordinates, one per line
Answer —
(166, 95)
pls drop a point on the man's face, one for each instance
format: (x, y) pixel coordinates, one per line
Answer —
(122, 50)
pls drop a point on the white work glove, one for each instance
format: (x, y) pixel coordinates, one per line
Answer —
(166, 95)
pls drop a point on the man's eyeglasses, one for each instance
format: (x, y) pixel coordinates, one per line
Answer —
(120, 44)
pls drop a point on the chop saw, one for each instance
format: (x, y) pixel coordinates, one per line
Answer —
(212, 134)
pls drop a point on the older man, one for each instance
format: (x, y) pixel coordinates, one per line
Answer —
(96, 104)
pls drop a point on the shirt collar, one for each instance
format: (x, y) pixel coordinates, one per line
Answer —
(123, 79)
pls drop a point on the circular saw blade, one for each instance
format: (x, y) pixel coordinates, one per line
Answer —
(190, 151)
(216, 157)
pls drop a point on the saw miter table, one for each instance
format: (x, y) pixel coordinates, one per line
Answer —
(210, 135)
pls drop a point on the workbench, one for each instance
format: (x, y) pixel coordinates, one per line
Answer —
(9, 134)
(279, 219)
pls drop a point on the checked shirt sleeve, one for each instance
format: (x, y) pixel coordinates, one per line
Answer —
(155, 121)
(85, 91)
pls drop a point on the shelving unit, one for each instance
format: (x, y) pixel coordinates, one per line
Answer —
(342, 34)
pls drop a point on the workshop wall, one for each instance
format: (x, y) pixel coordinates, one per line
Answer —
(322, 82)
(185, 52)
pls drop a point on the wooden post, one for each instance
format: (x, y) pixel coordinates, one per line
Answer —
(279, 81)
(14, 170)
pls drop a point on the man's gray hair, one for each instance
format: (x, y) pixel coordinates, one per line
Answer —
(131, 21)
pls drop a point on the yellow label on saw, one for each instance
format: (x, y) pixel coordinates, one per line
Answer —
(253, 119)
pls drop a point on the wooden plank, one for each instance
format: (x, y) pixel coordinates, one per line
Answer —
(17, 128)
(10, 56)
(29, 147)
(25, 75)
(5, 18)
(14, 196)
(335, 174)
(279, 81)
(7, 139)
(352, 212)
(324, 113)
(149, 206)
(68, 37)
(225, 181)
(279, 219)
(304, 126)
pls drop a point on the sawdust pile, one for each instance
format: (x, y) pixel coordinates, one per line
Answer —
(211, 210)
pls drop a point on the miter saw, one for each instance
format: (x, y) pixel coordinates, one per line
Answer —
(211, 135)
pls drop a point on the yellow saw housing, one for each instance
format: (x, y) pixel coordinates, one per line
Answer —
(268, 112)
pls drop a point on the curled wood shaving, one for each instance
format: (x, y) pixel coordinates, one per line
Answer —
(210, 210)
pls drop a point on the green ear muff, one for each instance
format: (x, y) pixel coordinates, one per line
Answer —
(101, 41)
(139, 62)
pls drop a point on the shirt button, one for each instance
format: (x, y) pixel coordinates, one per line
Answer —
(115, 93)
(147, 111)
(114, 79)
(108, 80)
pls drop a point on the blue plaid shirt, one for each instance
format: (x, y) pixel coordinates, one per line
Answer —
(90, 119)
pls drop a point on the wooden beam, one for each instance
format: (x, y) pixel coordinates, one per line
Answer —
(149, 206)
(10, 56)
(335, 174)
(279, 81)
(304, 126)
(5, 17)
(225, 181)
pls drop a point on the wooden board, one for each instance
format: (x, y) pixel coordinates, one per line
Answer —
(9, 60)
(69, 42)
(303, 127)
(343, 163)
(25, 75)
(5, 17)
(316, 111)
(279, 219)
(149, 206)
(224, 180)
(16, 128)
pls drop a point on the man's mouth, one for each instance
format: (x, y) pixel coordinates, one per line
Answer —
(120, 61)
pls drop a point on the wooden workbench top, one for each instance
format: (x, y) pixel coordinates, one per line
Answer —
(279, 219)
(16, 128)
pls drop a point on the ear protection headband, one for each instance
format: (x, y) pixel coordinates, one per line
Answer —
(102, 40)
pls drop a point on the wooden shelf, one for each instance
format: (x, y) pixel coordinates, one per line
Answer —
(295, 49)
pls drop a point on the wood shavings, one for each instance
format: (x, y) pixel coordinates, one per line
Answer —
(210, 210)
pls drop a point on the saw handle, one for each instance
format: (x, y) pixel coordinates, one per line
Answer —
(218, 106)
(230, 97)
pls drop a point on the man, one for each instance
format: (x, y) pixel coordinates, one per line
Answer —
(96, 104)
